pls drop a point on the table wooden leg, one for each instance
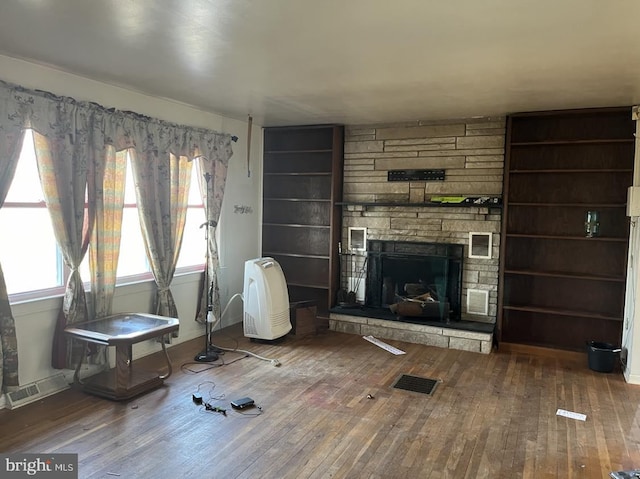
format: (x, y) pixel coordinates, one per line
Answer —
(123, 367)
(166, 355)
(76, 374)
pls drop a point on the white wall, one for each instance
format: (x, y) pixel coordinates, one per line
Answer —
(631, 354)
(239, 238)
(630, 341)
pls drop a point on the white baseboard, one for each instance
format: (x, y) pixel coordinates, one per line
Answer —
(631, 378)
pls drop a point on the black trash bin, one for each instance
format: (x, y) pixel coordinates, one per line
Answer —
(601, 356)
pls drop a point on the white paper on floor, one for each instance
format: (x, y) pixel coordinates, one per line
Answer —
(383, 345)
(571, 415)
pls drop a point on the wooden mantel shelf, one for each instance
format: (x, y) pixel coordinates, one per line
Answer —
(421, 205)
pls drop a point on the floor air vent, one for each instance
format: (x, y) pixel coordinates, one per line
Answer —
(416, 384)
(35, 391)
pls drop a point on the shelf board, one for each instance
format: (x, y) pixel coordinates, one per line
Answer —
(288, 152)
(307, 285)
(294, 255)
(305, 200)
(559, 274)
(570, 205)
(563, 312)
(571, 238)
(297, 173)
(573, 142)
(296, 225)
(577, 170)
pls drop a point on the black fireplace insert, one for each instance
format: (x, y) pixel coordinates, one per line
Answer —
(418, 280)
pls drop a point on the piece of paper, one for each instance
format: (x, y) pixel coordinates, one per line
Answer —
(572, 415)
(384, 345)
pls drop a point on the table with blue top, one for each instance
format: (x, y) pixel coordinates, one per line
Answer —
(123, 331)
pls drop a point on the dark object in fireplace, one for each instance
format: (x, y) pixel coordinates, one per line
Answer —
(425, 304)
(435, 309)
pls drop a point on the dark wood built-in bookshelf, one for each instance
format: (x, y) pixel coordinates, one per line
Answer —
(301, 221)
(558, 287)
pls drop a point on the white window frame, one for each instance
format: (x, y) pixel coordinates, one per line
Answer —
(474, 237)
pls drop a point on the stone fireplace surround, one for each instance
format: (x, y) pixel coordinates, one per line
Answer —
(471, 152)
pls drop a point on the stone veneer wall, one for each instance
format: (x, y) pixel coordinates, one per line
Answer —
(471, 152)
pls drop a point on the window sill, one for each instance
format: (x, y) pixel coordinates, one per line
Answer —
(55, 294)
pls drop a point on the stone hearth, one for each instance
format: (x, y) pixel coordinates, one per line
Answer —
(463, 335)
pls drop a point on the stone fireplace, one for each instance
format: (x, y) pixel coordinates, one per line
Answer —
(471, 153)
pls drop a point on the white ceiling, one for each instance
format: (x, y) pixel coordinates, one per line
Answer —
(342, 61)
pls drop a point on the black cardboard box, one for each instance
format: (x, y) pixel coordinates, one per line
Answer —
(304, 318)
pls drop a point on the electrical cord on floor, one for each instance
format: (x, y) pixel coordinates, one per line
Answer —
(185, 367)
(211, 389)
(199, 400)
(274, 362)
(237, 295)
(249, 414)
(206, 406)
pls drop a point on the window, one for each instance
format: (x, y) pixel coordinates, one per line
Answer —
(133, 258)
(31, 261)
(28, 251)
(194, 246)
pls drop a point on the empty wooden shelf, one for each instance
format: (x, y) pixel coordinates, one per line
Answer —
(559, 287)
(302, 186)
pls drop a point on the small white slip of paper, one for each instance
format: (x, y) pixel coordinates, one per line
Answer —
(572, 415)
(384, 345)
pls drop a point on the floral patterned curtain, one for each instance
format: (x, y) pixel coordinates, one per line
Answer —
(11, 135)
(72, 137)
(64, 162)
(162, 190)
(104, 248)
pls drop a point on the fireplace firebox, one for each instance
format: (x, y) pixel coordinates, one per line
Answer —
(422, 281)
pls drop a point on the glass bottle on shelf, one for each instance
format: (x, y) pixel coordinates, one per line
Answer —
(592, 224)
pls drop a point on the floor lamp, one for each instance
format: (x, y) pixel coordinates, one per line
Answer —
(209, 353)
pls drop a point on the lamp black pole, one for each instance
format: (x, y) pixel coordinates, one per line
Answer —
(208, 354)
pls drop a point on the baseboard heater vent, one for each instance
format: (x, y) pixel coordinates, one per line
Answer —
(36, 391)
(416, 384)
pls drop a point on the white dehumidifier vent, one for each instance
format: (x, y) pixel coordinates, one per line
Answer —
(266, 300)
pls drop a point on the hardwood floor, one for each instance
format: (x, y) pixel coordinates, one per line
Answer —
(491, 416)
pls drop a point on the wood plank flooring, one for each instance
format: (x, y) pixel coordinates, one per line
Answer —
(491, 416)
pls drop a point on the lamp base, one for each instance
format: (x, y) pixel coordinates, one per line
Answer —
(206, 357)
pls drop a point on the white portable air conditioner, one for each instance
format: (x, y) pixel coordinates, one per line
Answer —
(266, 300)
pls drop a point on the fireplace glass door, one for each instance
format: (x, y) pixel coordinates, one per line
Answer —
(417, 280)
